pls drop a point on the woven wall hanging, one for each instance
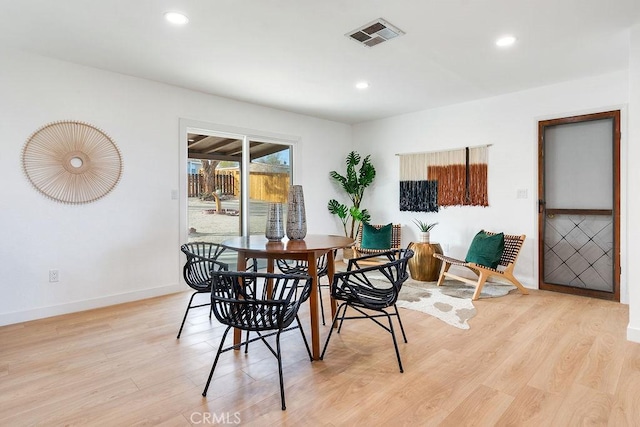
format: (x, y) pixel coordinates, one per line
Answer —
(72, 162)
(445, 178)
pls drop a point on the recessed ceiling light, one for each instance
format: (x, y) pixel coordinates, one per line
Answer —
(362, 85)
(176, 18)
(505, 41)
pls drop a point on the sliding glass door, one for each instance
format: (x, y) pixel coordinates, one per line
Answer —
(231, 178)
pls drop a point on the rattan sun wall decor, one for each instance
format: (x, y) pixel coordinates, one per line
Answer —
(72, 162)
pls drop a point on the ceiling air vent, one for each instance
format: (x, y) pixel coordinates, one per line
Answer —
(374, 33)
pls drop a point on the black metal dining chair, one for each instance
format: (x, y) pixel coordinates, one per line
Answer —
(264, 303)
(370, 291)
(201, 260)
(202, 257)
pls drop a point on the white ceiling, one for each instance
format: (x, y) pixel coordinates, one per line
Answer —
(293, 54)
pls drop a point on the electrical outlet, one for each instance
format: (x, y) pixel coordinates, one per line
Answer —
(54, 275)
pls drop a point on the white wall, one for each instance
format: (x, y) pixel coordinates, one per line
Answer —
(124, 246)
(633, 212)
(507, 122)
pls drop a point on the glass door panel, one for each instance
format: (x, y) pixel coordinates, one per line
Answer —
(213, 190)
(269, 181)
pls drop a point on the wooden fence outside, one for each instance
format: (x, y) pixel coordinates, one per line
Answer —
(194, 184)
(269, 187)
(265, 186)
(225, 182)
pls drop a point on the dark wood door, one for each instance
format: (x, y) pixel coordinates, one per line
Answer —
(579, 205)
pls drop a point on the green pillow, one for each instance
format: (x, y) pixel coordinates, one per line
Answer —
(376, 238)
(486, 249)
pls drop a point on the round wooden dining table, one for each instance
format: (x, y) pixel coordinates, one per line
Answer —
(312, 247)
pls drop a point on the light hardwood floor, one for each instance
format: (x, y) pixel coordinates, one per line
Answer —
(544, 359)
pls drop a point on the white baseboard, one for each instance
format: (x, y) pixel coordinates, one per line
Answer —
(633, 334)
(75, 306)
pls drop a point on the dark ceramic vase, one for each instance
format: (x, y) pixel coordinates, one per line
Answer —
(296, 216)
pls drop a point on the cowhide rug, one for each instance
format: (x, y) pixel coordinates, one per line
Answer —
(450, 302)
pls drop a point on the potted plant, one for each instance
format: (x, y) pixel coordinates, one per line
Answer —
(353, 183)
(424, 228)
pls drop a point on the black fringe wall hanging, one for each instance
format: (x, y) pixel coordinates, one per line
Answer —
(445, 178)
(417, 193)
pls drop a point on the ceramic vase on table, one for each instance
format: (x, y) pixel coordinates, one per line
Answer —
(274, 231)
(296, 216)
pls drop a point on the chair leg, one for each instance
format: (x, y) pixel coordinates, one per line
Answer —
(335, 317)
(395, 342)
(517, 284)
(444, 269)
(304, 338)
(344, 313)
(185, 314)
(246, 345)
(279, 355)
(481, 280)
(321, 305)
(400, 322)
(215, 361)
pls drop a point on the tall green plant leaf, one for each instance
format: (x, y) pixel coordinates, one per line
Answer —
(353, 158)
(353, 183)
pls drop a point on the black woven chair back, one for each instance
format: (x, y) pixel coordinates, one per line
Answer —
(201, 260)
(362, 281)
(512, 246)
(258, 301)
(300, 267)
(288, 266)
(203, 249)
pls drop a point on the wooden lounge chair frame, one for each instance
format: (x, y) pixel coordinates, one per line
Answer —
(512, 245)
